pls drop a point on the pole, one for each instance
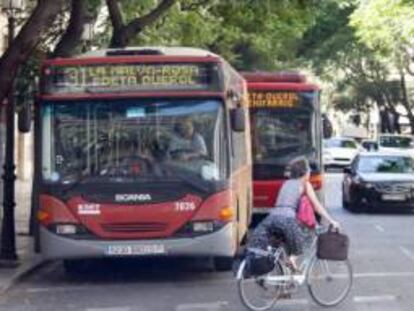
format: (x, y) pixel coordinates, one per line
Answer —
(8, 238)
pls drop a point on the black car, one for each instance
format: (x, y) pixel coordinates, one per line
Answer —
(378, 180)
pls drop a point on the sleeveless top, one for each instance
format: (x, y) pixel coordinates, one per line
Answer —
(288, 198)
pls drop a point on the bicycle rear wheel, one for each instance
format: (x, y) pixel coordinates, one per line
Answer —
(254, 293)
(329, 281)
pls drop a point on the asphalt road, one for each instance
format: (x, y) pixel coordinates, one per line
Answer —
(382, 253)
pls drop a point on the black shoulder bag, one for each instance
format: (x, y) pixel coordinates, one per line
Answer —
(332, 245)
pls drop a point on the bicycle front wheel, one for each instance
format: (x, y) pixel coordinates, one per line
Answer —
(329, 281)
(255, 293)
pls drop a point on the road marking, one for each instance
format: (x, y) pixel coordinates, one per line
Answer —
(379, 228)
(210, 306)
(109, 309)
(365, 299)
(383, 274)
(35, 290)
(407, 253)
(289, 302)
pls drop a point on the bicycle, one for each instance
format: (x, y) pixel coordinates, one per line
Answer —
(320, 276)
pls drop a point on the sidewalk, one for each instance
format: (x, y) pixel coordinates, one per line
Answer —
(28, 260)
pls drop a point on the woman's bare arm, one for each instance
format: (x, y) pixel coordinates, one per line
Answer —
(318, 206)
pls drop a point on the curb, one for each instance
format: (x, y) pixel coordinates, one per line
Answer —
(22, 272)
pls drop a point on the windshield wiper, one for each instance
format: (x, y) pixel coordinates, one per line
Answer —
(75, 184)
(189, 178)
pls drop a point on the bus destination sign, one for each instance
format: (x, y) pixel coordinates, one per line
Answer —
(269, 99)
(105, 78)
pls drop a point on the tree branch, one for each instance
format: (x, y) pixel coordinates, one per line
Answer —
(71, 38)
(139, 23)
(27, 39)
(194, 5)
(123, 34)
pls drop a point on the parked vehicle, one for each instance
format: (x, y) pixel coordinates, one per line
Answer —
(379, 180)
(396, 142)
(369, 145)
(339, 151)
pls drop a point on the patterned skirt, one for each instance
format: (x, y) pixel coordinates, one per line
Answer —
(294, 236)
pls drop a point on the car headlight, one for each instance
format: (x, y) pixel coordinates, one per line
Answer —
(367, 185)
(362, 183)
(327, 154)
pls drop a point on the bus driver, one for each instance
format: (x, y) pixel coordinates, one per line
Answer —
(186, 144)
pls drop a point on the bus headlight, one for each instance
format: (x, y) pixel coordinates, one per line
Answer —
(65, 229)
(199, 227)
(203, 226)
(69, 230)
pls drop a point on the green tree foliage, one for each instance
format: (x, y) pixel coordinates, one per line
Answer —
(361, 47)
(250, 34)
(383, 25)
(387, 27)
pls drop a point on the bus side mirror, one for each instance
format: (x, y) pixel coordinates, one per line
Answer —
(238, 119)
(314, 166)
(25, 119)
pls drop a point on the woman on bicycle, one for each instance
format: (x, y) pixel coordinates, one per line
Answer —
(282, 218)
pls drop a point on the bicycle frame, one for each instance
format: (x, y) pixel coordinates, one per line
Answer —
(289, 277)
(285, 281)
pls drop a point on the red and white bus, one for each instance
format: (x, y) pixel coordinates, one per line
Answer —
(285, 123)
(141, 152)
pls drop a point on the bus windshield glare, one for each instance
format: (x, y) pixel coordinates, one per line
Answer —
(133, 140)
(283, 132)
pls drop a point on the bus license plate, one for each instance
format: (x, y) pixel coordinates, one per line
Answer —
(129, 250)
(393, 197)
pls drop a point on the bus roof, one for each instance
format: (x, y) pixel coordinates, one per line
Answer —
(282, 86)
(150, 50)
(144, 54)
(280, 76)
(281, 80)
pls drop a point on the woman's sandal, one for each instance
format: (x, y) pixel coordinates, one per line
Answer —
(295, 269)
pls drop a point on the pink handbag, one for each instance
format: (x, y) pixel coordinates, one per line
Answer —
(305, 213)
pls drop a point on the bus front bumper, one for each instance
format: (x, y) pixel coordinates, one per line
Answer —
(221, 243)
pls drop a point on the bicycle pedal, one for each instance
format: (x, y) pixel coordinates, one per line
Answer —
(285, 296)
(291, 288)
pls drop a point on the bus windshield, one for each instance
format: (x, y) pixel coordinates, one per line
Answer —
(133, 140)
(282, 133)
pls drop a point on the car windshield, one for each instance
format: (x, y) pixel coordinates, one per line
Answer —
(282, 133)
(386, 164)
(340, 143)
(128, 140)
(396, 142)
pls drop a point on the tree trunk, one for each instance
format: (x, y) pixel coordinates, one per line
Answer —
(73, 35)
(27, 39)
(405, 101)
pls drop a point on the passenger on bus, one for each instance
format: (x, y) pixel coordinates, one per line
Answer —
(282, 219)
(187, 143)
